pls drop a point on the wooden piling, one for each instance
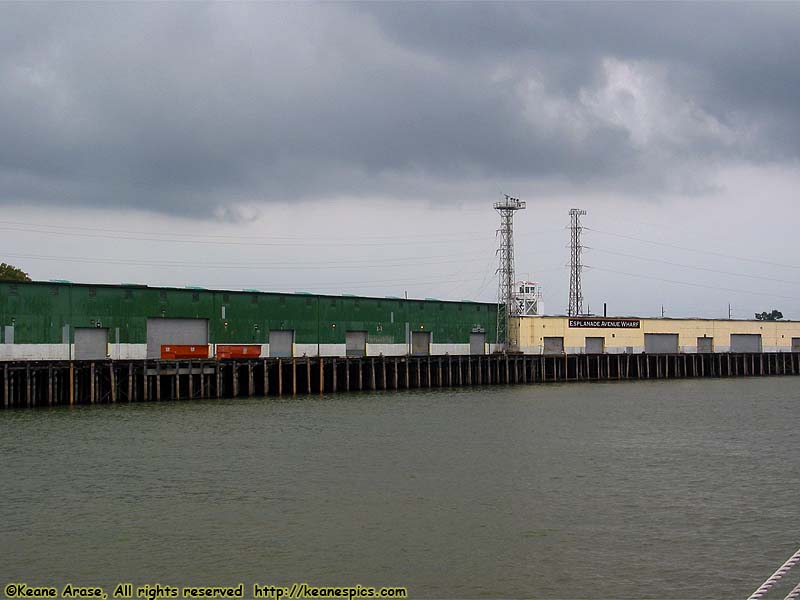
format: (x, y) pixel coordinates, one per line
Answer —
(112, 381)
(91, 382)
(333, 373)
(430, 383)
(449, 371)
(294, 377)
(250, 379)
(280, 377)
(235, 378)
(28, 383)
(308, 375)
(49, 385)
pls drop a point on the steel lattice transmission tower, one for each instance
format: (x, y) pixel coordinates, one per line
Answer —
(575, 306)
(506, 307)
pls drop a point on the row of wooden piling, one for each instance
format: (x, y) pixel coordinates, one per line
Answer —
(53, 383)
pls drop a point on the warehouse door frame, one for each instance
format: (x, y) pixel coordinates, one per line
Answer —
(553, 345)
(661, 343)
(420, 343)
(278, 343)
(595, 345)
(746, 342)
(175, 331)
(705, 345)
(91, 343)
(477, 343)
(355, 343)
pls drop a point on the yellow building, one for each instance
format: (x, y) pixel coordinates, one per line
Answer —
(592, 335)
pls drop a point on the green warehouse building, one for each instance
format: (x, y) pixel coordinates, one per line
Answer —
(59, 320)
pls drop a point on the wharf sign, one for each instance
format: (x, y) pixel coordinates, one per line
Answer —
(603, 322)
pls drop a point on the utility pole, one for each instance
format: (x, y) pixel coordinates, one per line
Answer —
(575, 306)
(506, 307)
(730, 313)
(662, 311)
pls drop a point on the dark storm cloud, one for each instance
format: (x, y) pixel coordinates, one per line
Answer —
(193, 108)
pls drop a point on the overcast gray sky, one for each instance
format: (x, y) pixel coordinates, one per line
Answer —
(357, 148)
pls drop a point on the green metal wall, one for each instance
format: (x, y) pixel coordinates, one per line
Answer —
(39, 310)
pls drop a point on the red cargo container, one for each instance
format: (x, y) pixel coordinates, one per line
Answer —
(175, 351)
(238, 350)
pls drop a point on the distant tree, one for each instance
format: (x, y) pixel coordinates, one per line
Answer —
(775, 315)
(12, 273)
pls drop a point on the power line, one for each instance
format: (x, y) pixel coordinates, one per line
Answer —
(695, 267)
(280, 243)
(700, 285)
(462, 235)
(340, 264)
(371, 283)
(697, 250)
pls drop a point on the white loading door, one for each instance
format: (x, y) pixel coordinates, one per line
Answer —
(420, 342)
(160, 332)
(745, 342)
(595, 345)
(91, 343)
(477, 343)
(281, 343)
(661, 343)
(554, 345)
(356, 343)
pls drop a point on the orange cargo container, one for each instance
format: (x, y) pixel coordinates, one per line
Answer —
(174, 351)
(238, 350)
